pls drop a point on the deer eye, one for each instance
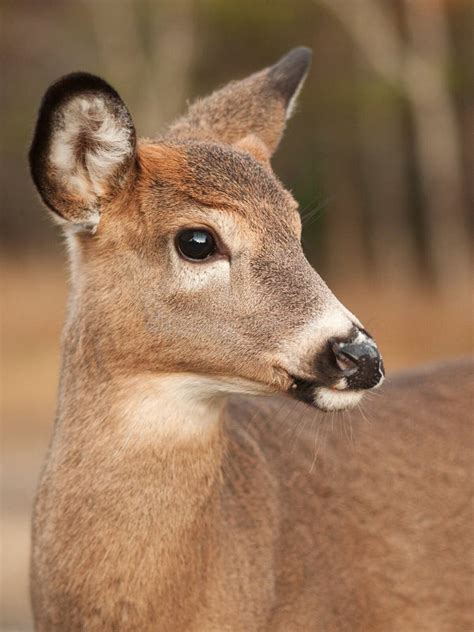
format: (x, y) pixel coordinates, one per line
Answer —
(195, 244)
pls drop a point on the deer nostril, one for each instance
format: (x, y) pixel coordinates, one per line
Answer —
(344, 359)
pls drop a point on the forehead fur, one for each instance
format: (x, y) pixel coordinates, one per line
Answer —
(214, 175)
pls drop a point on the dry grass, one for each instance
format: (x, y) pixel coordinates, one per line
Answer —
(411, 328)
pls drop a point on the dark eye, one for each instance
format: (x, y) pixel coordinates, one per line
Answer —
(195, 244)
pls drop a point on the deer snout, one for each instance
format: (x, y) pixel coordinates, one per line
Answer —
(343, 370)
(358, 361)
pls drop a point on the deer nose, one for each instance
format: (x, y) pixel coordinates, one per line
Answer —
(359, 362)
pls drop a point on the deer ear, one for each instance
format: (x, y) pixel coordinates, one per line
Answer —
(258, 105)
(83, 148)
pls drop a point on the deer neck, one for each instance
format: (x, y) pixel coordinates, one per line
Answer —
(144, 457)
(155, 443)
(166, 421)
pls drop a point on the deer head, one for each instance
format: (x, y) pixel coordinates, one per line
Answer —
(185, 250)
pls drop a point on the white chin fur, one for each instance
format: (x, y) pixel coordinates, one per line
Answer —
(329, 399)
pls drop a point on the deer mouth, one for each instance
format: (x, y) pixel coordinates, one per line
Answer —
(325, 398)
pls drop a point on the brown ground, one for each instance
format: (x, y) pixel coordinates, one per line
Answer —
(410, 327)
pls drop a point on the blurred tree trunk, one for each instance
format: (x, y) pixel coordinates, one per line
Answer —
(437, 142)
(417, 67)
(172, 55)
(385, 172)
(120, 47)
(343, 255)
(158, 90)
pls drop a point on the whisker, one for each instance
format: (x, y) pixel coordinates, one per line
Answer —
(345, 430)
(313, 212)
(351, 429)
(364, 416)
(317, 443)
(290, 429)
(299, 429)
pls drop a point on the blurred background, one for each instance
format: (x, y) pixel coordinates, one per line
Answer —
(380, 155)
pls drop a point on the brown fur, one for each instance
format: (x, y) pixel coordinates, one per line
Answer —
(240, 108)
(252, 531)
(159, 508)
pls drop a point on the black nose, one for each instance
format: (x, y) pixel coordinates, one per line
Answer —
(359, 362)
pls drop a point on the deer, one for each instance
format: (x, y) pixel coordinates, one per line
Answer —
(180, 491)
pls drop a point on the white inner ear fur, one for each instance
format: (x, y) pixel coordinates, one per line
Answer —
(290, 108)
(88, 122)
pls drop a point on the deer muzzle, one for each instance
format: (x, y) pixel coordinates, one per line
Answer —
(343, 371)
